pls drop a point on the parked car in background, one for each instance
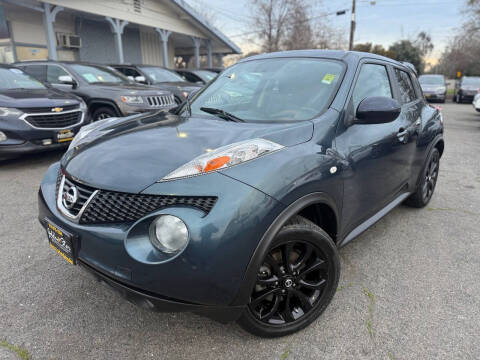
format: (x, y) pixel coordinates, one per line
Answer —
(197, 76)
(187, 211)
(476, 102)
(434, 87)
(161, 78)
(466, 88)
(106, 92)
(35, 117)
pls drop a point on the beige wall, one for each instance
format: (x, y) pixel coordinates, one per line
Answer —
(154, 13)
(152, 49)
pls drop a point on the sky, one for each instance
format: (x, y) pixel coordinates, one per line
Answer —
(383, 23)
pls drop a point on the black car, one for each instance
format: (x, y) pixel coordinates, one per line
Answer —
(235, 205)
(159, 77)
(466, 88)
(106, 92)
(35, 117)
(434, 87)
(197, 76)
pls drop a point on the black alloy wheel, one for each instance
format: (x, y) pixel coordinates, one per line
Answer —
(427, 182)
(431, 175)
(289, 283)
(295, 282)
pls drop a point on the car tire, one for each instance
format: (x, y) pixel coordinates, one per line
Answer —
(427, 182)
(300, 285)
(104, 112)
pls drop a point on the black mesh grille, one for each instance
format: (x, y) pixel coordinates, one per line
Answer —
(57, 120)
(111, 207)
(31, 110)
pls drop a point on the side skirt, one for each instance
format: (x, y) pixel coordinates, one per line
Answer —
(369, 222)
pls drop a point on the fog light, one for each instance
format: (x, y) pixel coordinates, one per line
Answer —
(168, 234)
(47, 142)
(3, 137)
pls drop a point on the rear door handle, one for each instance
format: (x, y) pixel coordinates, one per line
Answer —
(402, 135)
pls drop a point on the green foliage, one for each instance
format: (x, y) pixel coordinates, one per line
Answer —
(21, 352)
(405, 50)
(412, 51)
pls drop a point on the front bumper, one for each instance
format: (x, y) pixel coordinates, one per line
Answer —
(208, 275)
(23, 138)
(154, 302)
(435, 96)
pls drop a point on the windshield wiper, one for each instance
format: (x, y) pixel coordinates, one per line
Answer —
(222, 114)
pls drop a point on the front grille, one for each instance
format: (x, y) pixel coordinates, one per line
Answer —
(32, 110)
(160, 100)
(84, 192)
(54, 121)
(112, 207)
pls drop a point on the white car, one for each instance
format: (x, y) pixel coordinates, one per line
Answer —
(476, 102)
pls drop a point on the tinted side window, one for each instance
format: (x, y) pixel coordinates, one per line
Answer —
(190, 77)
(128, 72)
(37, 71)
(372, 81)
(53, 72)
(407, 93)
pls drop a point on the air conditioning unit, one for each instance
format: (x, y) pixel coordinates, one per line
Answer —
(74, 41)
(69, 40)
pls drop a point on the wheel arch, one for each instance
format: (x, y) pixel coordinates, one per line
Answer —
(315, 207)
(94, 104)
(440, 145)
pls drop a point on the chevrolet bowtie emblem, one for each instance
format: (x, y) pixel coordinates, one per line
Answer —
(57, 109)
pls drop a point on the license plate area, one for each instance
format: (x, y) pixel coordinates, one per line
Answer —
(65, 135)
(63, 242)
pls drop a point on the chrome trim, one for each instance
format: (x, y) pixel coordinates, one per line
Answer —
(159, 101)
(64, 211)
(22, 117)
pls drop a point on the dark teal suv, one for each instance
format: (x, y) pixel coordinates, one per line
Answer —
(234, 205)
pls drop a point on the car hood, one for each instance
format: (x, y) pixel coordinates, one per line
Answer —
(429, 87)
(130, 154)
(470, 87)
(29, 98)
(180, 85)
(130, 89)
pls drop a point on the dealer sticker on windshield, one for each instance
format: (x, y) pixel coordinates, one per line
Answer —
(328, 78)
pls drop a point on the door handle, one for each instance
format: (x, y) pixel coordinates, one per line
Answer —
(402, 135)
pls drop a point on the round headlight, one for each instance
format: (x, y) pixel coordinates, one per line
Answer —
(168, 234)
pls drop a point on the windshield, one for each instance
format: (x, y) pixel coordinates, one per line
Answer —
(11, 78)
(272, 89)
(471, 81)
(99, 74)
(431, 80)
(205, 75)
(158, 75)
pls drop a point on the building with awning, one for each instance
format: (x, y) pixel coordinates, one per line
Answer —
(155, 32)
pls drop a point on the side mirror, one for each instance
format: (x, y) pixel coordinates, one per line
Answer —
(377, 110)
(199, 83)
(141, 79)
(131, 77)
(67, 80)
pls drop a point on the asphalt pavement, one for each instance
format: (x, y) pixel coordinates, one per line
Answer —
(409, 287)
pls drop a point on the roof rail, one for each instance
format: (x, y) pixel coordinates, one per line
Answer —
(410, 65)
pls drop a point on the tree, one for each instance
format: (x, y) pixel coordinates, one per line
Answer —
(291, 25)
(405, 50)
(270, 19)
(299, 33)
(374, 49)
